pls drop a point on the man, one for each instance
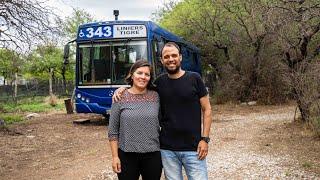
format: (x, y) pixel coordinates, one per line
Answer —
(183, 99)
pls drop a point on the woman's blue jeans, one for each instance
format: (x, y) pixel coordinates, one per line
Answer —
(173, 161)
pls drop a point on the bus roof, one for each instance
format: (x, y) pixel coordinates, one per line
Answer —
(150, 25)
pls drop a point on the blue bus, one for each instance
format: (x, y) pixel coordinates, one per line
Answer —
(105, 52)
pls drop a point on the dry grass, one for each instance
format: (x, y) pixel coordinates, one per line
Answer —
(52, 100)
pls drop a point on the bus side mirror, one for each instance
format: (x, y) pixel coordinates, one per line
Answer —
(66, 54)
(158, 55)
(160, 45)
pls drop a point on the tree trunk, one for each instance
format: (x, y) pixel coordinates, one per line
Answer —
(304, 108)
(15, 92)
(50, 82)
(64, 79)
(304, 114)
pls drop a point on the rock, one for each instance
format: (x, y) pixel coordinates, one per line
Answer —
(252, 103)
(81, 121)
(32, 115)
(243, 104)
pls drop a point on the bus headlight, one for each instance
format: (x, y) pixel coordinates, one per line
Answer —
(87, 100)
(79, 96)
(82, 98)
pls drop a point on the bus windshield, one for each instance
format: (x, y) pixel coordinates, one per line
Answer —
(108, 63)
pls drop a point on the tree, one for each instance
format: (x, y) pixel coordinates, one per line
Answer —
(71, 23)
(232, 36)
(167, 7)
(70, 29)
(45, 62)
(256, 48)
(297, 27)
(24, 23)
(6, 67)
(10, 65)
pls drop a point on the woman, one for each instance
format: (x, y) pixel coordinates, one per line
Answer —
(134, 128)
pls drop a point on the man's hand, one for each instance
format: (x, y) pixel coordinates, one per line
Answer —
(116, 165)
(117, 94)
(202, 149)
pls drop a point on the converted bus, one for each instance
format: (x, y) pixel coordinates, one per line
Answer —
(105, 52)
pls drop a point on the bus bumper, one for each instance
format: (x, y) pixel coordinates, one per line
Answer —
(91, 108)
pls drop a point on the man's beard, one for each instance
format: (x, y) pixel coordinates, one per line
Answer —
(172, 71)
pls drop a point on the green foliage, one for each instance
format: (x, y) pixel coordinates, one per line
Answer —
(10, 62)
(12, 112)
(244, 43)
(45, 57)
(71, 23)
(70, 29)
(307, 165)
(316, 124)
(11, 118)
(229, 33)
(315, 117)
(36, 104)
(42, 59)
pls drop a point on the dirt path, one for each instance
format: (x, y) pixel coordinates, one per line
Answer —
(258, 142)
(261, 143)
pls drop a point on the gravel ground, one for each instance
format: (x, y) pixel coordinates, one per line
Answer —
(248, 142)
(237, 151)
(241, 149)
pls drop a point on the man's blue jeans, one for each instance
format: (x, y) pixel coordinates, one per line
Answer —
(173, 161)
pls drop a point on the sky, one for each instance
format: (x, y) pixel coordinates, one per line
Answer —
(103, 9)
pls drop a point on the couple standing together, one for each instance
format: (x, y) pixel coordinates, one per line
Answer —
(178, 105)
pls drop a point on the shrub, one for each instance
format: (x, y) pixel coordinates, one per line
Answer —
(315, 123)
(34, 104)
(11, 118)
(52, 100)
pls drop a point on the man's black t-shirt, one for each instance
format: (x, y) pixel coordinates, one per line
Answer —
(180, 111)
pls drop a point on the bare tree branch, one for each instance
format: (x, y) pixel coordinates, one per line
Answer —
(24, 23)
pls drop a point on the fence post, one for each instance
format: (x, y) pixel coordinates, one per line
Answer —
(68, 105)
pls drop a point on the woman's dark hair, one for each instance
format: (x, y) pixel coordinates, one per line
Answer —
(134, 67)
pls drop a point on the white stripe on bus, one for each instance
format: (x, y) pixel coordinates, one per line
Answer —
(103, 86)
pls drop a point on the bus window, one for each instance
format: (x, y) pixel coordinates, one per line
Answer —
(106, 51)
(85, 70)
(110, 62)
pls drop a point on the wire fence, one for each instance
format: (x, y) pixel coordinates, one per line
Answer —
(35, 88)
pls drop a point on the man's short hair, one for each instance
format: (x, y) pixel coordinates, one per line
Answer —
(171, 44)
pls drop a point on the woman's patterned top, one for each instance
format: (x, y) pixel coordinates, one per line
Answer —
(134, 122)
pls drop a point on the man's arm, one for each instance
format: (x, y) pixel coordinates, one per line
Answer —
(207, 120)
(207, 115)
(117, 94)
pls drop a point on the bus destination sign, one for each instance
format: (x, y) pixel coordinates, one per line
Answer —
(112, 31)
